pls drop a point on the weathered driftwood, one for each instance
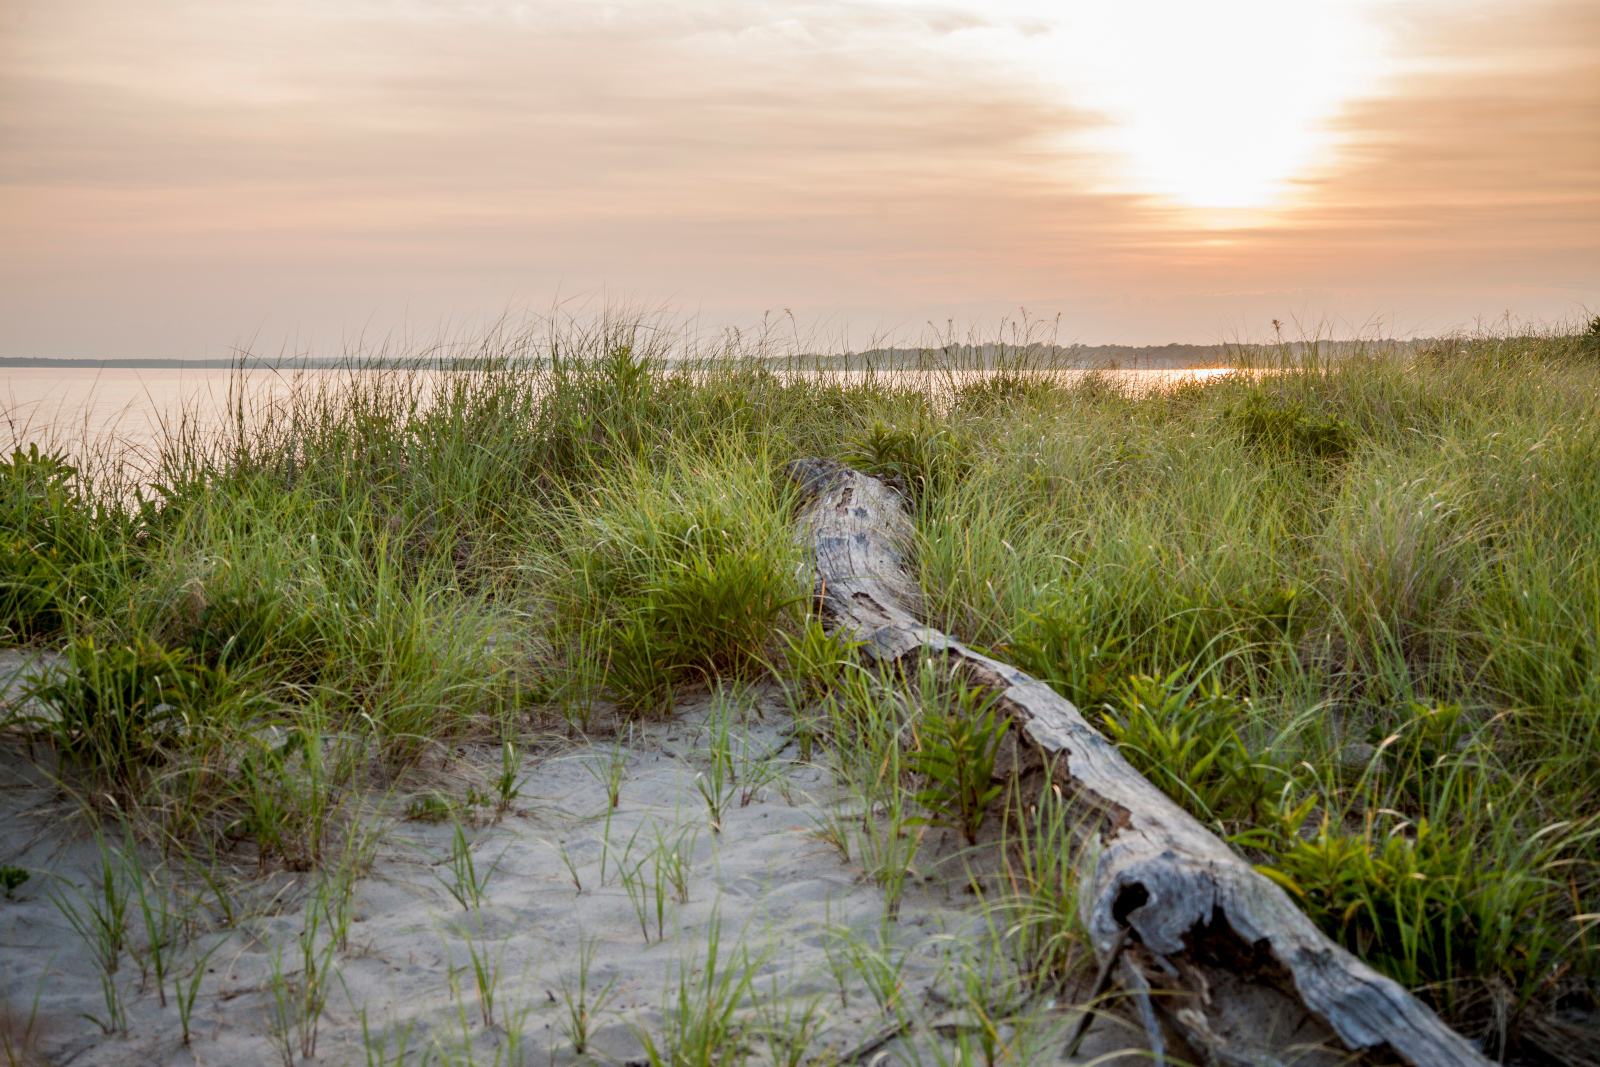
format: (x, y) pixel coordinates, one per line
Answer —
(1216, 955)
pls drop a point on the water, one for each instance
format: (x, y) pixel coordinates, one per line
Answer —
(122, 414)
(62, 406)
(98, 415)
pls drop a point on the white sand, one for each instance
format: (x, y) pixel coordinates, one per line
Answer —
(792, 911)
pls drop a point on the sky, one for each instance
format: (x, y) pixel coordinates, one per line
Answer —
(180, 177)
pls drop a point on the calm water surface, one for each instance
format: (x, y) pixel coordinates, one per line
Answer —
(123, 412)
(100, 413)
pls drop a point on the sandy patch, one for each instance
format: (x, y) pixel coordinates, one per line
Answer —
(413, 964)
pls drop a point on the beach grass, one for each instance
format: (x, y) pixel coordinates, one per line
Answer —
(1342, 606)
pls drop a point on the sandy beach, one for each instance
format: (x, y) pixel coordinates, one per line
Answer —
(629, 900)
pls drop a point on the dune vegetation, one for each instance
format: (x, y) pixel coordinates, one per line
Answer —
(1345, 609)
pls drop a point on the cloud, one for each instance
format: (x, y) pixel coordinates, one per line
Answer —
(1491, 144)
(258, 159)
(471, 95)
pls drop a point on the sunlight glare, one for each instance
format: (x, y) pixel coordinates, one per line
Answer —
(1211, 105)
(1218, 105)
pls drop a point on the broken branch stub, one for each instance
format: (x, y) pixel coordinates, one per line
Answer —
(1216, 953)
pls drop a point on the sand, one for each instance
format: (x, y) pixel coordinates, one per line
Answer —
(788, 910)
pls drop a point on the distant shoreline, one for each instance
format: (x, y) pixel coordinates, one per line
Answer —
(1169, 356)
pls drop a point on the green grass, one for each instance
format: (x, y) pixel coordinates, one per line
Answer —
(1345, 608)
(1316, 560)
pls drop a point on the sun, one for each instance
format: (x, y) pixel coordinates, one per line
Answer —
(1215, 105)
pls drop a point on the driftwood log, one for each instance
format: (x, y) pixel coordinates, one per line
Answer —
(1214, 955)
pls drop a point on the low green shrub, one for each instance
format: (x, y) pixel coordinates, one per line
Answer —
(955, 742)
(54, 544)
(1059, 645)
(1426, 905)
(915, 457)
(1288, 430)
(682, 577)
(1394, 899)
(600, 409)
(1589, 340)
(32, 588)
(1185, 738)
(247, 625)
(114, 710)
(1002, 392)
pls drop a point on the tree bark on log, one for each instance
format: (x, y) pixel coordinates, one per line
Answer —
(1215, 955)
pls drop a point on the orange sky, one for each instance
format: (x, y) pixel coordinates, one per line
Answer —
(177, 177)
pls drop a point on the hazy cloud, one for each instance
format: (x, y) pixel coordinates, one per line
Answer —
(194, 172)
